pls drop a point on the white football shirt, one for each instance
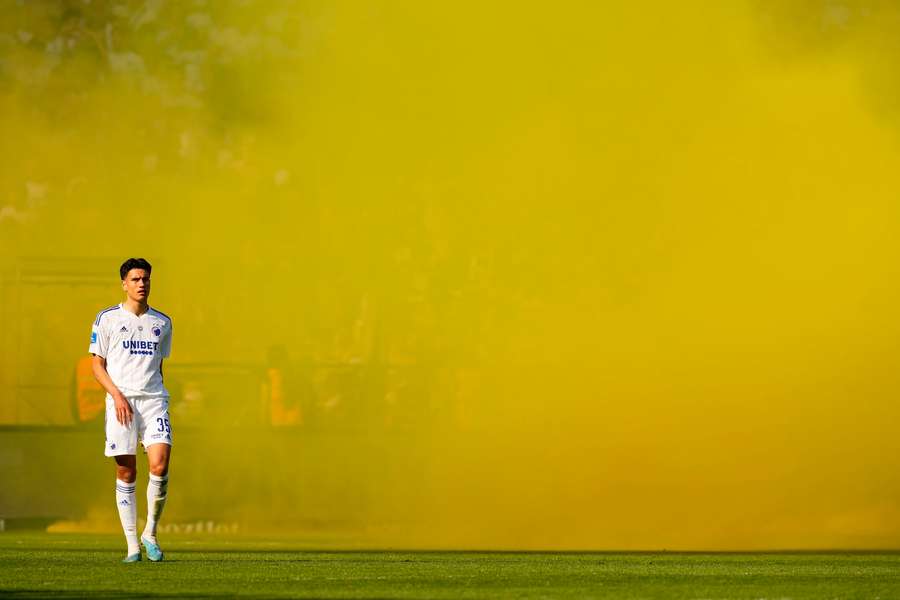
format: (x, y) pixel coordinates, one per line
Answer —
(133, 347)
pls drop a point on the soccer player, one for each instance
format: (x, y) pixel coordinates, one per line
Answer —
(129, 342)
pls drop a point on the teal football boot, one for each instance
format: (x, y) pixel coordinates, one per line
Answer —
(154, 553)
(132, 557)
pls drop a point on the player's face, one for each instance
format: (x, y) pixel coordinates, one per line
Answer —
(137, 285)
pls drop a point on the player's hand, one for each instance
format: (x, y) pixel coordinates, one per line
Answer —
(124, 414)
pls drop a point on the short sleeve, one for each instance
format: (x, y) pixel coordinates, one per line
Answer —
(165, 347)
(99, 341)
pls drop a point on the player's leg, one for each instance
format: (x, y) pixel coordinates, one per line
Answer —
(121, 445)
(157, 487)
(126, 501)
(157, 437)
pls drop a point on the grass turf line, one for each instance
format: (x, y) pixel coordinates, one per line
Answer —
(38, 565)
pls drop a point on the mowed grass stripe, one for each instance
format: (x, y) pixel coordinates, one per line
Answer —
(44, 565)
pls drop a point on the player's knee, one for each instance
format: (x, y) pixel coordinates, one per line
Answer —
(126, 474)
(159, 469)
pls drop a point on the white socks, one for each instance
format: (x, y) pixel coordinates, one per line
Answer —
(156, 500)
(126, 501)
(127, 504)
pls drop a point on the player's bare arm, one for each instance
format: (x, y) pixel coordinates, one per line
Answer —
(124, 414)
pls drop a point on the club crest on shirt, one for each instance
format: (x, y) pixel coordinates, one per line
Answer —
(157, 331)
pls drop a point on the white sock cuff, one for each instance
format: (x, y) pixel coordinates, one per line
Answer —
(159, 477)
(125, 487)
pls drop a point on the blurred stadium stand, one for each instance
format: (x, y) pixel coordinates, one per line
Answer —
(294, 411)
(40, 345)
(45, 379)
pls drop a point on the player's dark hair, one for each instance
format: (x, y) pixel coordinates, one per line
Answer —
(134, 263)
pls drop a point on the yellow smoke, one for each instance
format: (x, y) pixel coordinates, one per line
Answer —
(640, 258)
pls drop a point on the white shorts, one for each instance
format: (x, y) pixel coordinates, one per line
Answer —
(150, 424)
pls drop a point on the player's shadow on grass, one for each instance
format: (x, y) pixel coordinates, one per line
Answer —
(101, 595)
(66, 594)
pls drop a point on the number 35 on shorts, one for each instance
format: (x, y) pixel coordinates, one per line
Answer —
(163, 425)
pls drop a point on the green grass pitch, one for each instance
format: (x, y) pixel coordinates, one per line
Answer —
(39, 565)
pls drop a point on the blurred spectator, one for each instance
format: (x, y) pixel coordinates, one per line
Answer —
(90, 397)
(287, 389)
(189, 405)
